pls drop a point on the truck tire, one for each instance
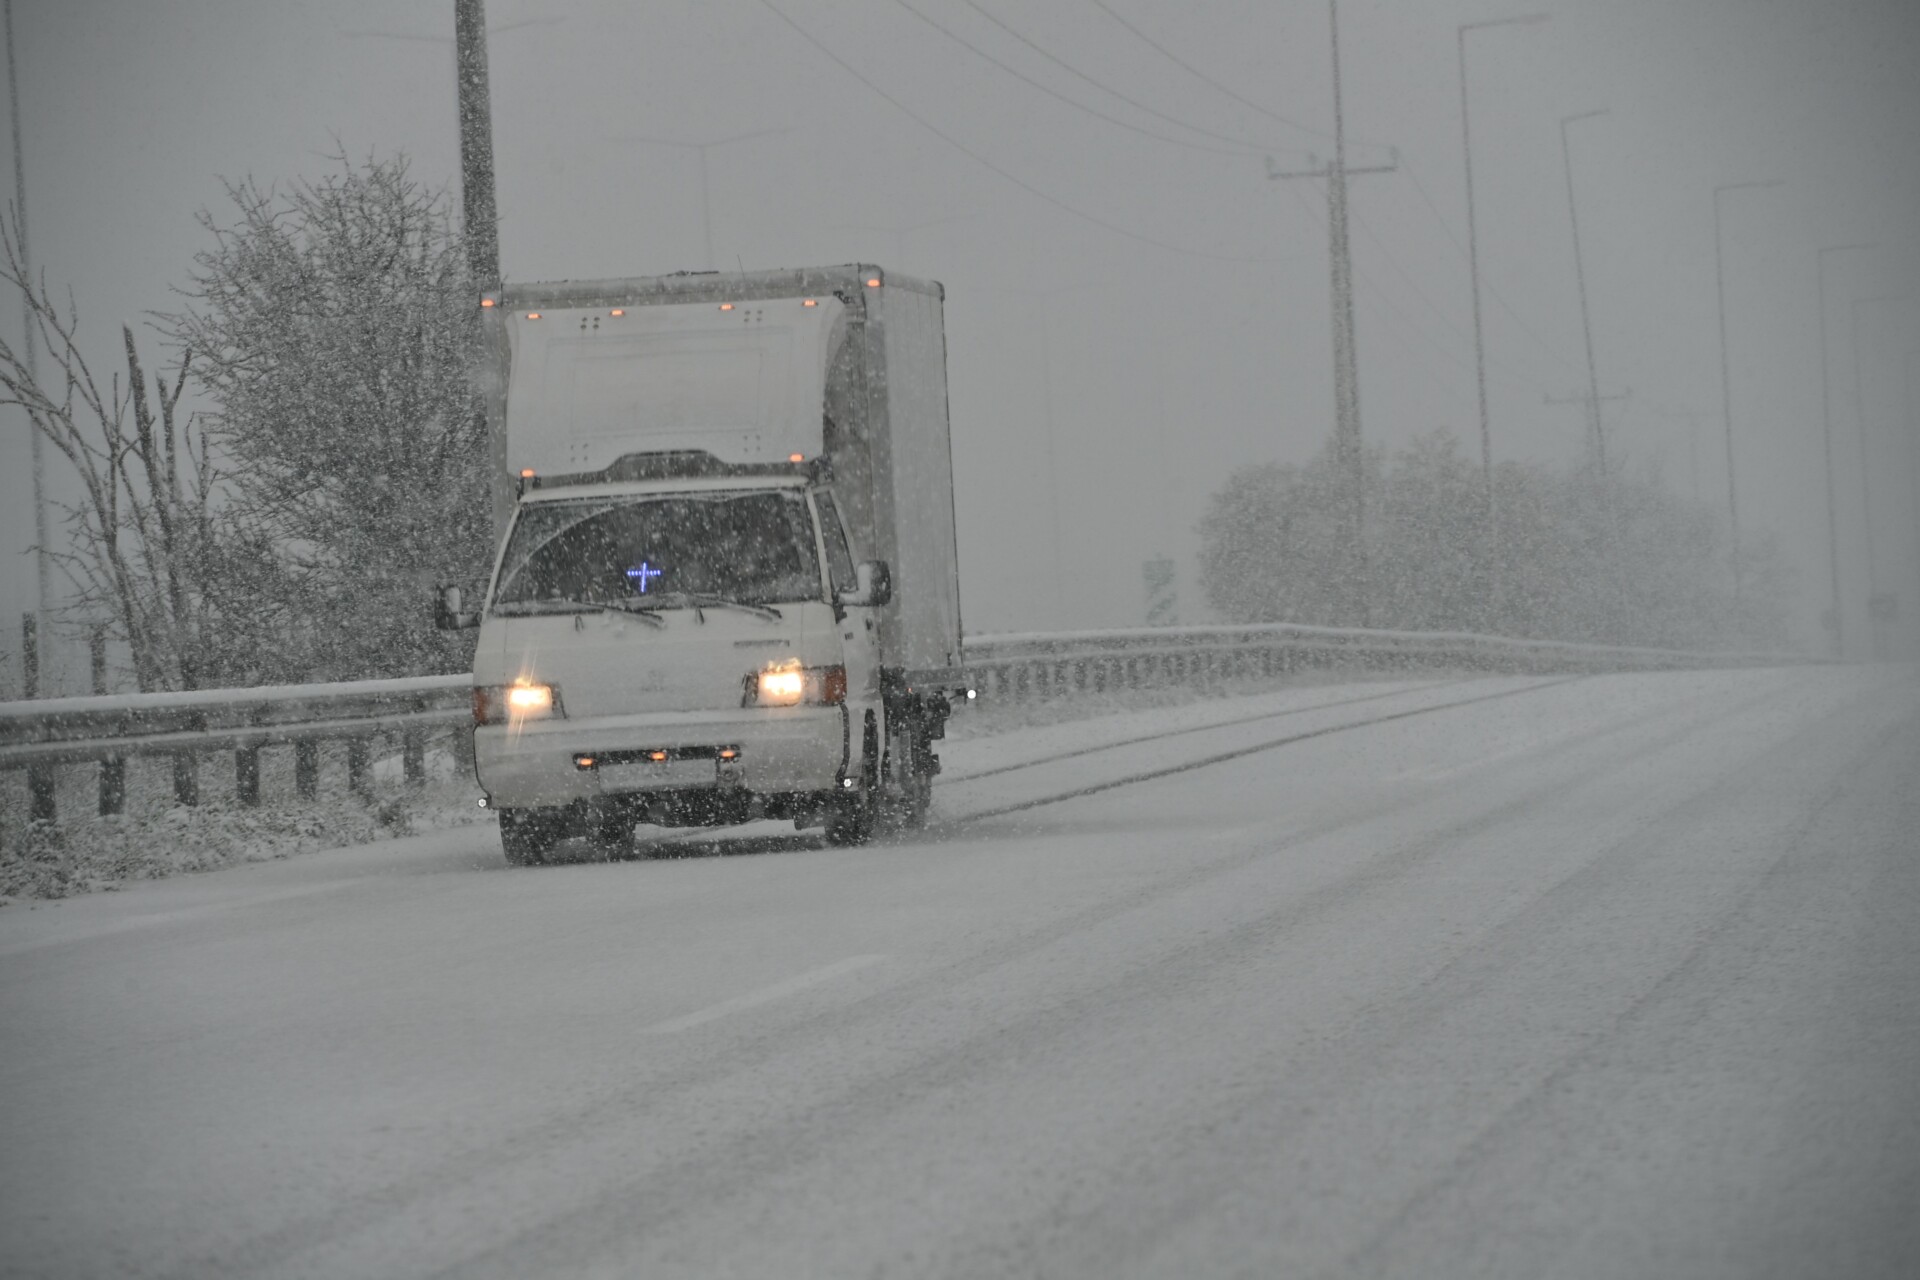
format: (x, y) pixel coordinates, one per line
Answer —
(526, 835)
(851, 819)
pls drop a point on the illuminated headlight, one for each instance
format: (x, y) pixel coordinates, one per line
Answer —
(788, 686)
(514, 703)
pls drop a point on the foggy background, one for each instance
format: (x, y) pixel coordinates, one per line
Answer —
(1157, 309)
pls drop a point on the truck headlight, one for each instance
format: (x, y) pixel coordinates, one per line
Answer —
(514, 703)
(789, 686)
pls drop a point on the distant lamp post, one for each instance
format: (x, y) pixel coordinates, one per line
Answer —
(1473, 246)
(1836, 618)
(1879, 607)
(1599, 437)
(1726, 381)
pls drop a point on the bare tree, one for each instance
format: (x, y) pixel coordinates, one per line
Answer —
(333, 324)
(138, 541)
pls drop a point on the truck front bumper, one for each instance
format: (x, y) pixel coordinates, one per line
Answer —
(777, 750)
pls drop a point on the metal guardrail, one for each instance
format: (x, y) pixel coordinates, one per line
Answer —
(39, 735)
(1038, 664)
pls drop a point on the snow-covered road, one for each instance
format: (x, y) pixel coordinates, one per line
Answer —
(1616, 976)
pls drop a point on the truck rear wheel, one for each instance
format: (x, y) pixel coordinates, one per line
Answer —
(526, 835)
(852, 817)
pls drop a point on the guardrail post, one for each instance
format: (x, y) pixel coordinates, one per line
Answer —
(40, 783)
(359, 768)
(413, 755)
(306, 769)
(463, 748)
(113, 771)
(186, 778)
(246, 776)
(113, 787)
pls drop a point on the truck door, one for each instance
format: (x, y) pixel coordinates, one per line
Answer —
(859, 629)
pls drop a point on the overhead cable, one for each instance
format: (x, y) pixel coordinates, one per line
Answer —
(1202, 76)
(1236, 150)
(981, 160)
(1530, 330)
(1106, 89)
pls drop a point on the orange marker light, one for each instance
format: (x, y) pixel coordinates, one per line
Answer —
(526, 473)
(808, 302)
(873, 282)
(617, 311)
(487, 302)
(729, 754)
(656, 755)
(796, 457)
(533, 315)
(726, 306)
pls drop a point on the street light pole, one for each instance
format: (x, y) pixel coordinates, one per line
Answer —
(1866, 488)
(1473, 251)
(1826, 440)
(1726, 382)
(1599, 439)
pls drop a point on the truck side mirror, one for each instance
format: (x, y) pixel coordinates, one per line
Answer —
(446, 610)
(874, 585)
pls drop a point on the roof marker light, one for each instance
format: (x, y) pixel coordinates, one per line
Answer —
(808, 302)
(488, 302)
(873, 282)
(533, 315)
(796, 457)
(618, 311)
(526, 473)
(726, 306)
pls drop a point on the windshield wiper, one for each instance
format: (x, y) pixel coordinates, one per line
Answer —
(701, 600)
(620, 608)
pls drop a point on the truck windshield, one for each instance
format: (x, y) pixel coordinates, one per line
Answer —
(749, 548)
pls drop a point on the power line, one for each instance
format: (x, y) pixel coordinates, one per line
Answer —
(1021, 76)
(981, 160)
(1530, 330)
(1513, 377)
(1081, 75)
(1203, 77)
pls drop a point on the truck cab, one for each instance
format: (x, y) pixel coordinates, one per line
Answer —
(692, 618)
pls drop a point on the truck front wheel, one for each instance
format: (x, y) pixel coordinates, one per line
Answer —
(526, 835)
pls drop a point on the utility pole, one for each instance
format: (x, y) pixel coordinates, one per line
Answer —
(43, 559)
(1913, 477)
(1580, 276)
(1839, 622)
(1348, 456)
(480, 215)
(1590, 402)
(1726, 382)
(1473, 273)
(1875, 604)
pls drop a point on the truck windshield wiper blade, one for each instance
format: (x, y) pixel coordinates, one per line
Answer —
(701, 600)
(523, 608)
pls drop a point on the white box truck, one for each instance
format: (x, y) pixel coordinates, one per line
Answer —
(727, 586)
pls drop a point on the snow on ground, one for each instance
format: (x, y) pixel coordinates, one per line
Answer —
(1609, 976)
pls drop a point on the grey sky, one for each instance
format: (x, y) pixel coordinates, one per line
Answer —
(1163, 367)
